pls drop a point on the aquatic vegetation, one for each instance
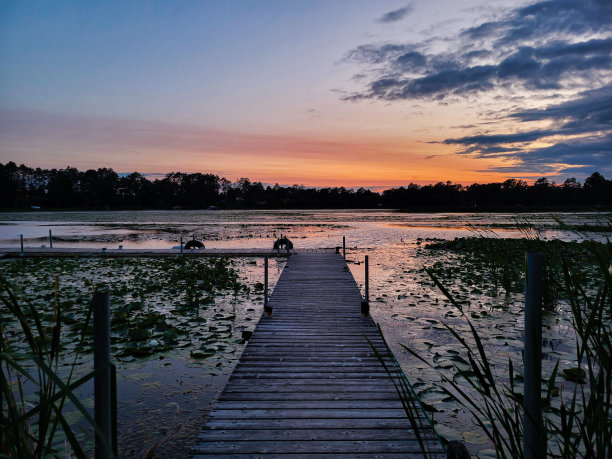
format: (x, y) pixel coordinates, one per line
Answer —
(405, 301)
(183, 314)
(35, 415)
(581, 426)
(495, 264)
(157, 304)
(585, 427)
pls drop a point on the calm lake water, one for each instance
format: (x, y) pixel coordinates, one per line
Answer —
(404, 302)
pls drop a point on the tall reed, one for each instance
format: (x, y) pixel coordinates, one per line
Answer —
(582, 426)
(587, 432)
(32, 392)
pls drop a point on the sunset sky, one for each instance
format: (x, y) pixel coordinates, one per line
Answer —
(310, 92)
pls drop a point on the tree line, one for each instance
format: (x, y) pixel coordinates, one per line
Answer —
(23, 187)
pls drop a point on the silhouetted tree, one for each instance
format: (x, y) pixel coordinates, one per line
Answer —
(22, 187)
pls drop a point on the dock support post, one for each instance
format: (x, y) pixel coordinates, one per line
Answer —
(344, 246)
(115, 434)
(102, 369)
(181, 243)
(534, 443)
(50, 240)
(267, 306)
(365, 303)
(21, 253)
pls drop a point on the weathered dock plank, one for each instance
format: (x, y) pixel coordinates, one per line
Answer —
(308, 382)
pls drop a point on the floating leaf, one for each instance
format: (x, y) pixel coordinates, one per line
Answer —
(575, 374)
(475, 438)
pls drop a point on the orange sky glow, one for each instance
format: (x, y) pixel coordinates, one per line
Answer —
(349, 93)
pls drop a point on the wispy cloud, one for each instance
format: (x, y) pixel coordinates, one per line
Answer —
(396, 15)
(548, 47)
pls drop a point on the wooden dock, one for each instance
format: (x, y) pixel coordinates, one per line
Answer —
(308, 382)
(32, 252)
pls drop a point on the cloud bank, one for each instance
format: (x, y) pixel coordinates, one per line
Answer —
(560, 49)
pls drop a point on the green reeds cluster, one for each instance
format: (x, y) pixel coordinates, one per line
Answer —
(495, 407)
(582, 427)
(585, 429)
(31, 420)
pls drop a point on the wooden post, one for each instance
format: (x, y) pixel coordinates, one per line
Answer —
(114, 432)
(267, 307)
(365, 303)
(102, 369)
(344, 246)
(367, 279)
(21, 237)
(50, 240)
(534, 442)
(181, 242)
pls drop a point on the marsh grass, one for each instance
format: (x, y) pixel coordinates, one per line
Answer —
(495, 408)
(184, 309)
(585, 427)
(578, 423)
(158, 305)
(32, 420)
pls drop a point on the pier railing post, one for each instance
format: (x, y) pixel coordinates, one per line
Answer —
(344, 246)
(267, 306)
(21, 237)
(50, 240)
(102, 368)
(534, 442)
(365, 303)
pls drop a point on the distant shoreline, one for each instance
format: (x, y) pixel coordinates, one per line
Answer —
(516, 209)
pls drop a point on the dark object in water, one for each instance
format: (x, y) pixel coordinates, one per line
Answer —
(193, 244)
(246, 335)
(283, 243)
(457, 450)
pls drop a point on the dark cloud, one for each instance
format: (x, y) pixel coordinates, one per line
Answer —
(491, 139)
(584, 155)
(588, 116)
(396, 15)
(376, 54)
(560, 45)
(591, 110)
(557, 18)
(546, 45)
(546, 67)
(412, 60)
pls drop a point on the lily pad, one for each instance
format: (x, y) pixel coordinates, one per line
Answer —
(475, 438)
(448, 433)
(575, 374)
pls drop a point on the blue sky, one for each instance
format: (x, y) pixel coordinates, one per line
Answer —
(311, 92)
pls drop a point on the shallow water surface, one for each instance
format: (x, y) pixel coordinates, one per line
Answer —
(404, 301)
